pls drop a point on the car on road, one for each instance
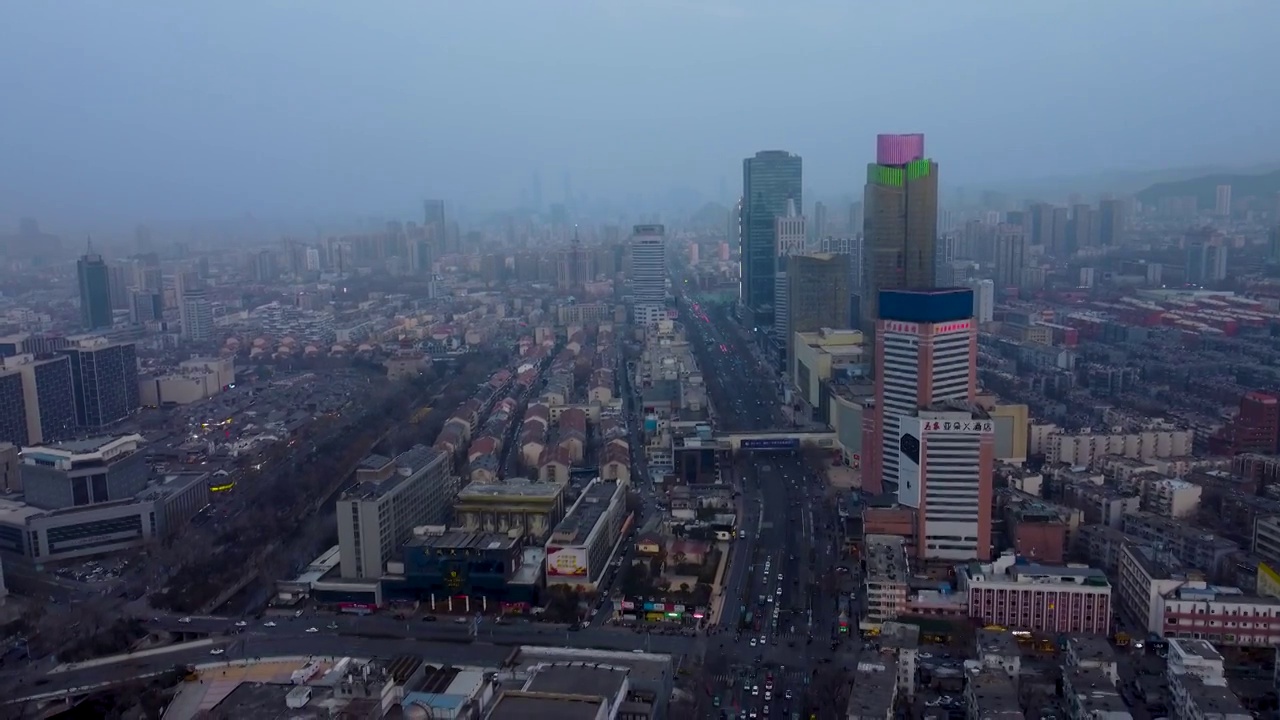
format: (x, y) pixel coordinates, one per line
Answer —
(216, 651)
(332, 626)
(753, 642)
(185, 620)
(241, 623)
(313, 630)
(269, 623)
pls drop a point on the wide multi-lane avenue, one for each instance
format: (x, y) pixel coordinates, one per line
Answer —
(777, 627)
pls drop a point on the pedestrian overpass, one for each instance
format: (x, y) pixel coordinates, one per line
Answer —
(775, 440)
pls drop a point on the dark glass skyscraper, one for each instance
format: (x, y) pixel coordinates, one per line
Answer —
(900, 225)
(769, 180)
(95, 291)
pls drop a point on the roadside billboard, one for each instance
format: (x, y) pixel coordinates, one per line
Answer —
(566, 562)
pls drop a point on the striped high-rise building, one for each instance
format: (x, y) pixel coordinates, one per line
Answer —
(926, 363)
(900, 224)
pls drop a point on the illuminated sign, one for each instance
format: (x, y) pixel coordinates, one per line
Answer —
(901, 327)
(770, 443)
(951, 327)
(962, 427)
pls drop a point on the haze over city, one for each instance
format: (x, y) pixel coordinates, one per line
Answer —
(650, 360)
(324, 109)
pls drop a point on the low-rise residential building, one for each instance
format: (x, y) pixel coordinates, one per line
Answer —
(877, 690)
(885, 578)
(992, 695)
(1221, 615)
(1146, 574)
(1038, 598)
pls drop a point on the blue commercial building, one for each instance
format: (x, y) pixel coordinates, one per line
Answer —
(464, 571)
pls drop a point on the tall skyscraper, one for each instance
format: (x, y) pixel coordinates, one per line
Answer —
(1206, 257)
(769, 180)
(94, 279)
(901, 224)
(931, 445)
(1042, 224)
(1080, 229)
(1058, 242)
(648, 273)
(1222, 201)
(818, 228)
(1110, 223)
(1011, 255)
(818, 290)
(195, 312)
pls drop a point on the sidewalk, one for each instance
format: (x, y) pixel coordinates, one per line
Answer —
(717, 597)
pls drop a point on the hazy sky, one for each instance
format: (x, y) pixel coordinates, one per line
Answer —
(155, 110)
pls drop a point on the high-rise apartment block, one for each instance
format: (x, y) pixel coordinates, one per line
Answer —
(901, 222)
(1011, 256)
(1110, 223)
(1222, 201)
(769, 181)
(984, 300)
(648, 273)
(104, 376)
(1206, 257)
(37, 402)
(94, 280)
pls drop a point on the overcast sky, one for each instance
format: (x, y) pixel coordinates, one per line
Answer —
(140, 109)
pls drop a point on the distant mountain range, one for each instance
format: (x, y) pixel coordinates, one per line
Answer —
(1128, 182)
(1205, 188)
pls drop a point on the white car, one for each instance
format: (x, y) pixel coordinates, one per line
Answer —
(269, 623)
(313, 630)
(241, 623)
(185, 620)
(753, 642)
(755, 689)
(216, 651)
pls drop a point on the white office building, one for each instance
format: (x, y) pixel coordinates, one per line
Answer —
(648, 248)
(984, 300)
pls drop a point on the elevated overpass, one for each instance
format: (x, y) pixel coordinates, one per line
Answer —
(775, 440)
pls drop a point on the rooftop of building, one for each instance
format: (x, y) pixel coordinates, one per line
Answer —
(886, 558)
(408, 463)
(1091, 648)
(86, 446)
(532, 706)
(1156, 564)
(996, 642)
(586, 513)
(512, 490)
(583, 678)
(1202, 649)
(1096, 694)
(876, 684)
(1034, 570)
(1213, 700)
(267, 701)
(454, 539)
(995, 694)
